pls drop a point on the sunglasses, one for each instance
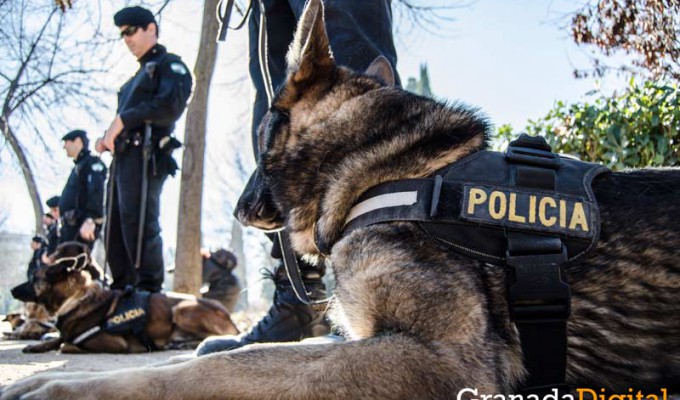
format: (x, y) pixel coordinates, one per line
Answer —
(129, 31)
(73, 262)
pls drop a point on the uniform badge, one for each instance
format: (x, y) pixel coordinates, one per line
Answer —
(97, 167)
(178, 68)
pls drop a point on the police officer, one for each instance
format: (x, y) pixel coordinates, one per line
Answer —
(38, 245)
(359, 32)
(51, 222)
(223, 285)
(81, 204)
(157, 95)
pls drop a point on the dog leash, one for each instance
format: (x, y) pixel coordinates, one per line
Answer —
(294, 275)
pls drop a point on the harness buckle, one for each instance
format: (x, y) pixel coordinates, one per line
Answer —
(538, 293)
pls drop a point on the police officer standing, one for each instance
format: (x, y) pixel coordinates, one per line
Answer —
(51, 221)
(81, 204)
(152, 99)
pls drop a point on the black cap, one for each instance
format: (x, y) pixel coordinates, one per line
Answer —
(78, 133)
(53, 201)
(133, 16)
(38, 239)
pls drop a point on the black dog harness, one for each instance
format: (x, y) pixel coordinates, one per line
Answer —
(127, 315)
(528, 209)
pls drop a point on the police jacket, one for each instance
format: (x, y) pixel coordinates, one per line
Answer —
(157, 93)
(83, 195)
(52, 237)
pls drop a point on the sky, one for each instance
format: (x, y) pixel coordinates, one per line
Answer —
(510, 58)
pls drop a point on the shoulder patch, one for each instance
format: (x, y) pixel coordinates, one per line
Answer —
(178, 68)
(97, 167)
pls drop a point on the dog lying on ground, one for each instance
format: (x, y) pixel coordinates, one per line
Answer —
(93, 319)
(423, 321)
(30, 325)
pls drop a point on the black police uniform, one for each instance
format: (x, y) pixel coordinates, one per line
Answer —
(36, 259)
(52, 237)
(157, 93)
(52, 230)
(82, 198)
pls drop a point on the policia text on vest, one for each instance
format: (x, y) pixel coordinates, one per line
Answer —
(533, 210)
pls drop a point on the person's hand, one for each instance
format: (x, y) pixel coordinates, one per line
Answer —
(111, 134)
(87, 230)
(99, 145)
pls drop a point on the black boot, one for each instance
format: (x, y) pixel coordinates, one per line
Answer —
(288, 319)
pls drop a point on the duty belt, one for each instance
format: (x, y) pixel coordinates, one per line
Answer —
(528, 209)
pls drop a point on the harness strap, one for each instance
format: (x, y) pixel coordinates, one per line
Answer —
(294, 275)
(539, 299)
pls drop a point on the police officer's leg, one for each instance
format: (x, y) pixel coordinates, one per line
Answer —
(151, 271)
(359, 31)
(123, 241)
(288, 319)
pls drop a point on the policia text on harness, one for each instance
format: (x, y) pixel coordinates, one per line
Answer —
(528, 209)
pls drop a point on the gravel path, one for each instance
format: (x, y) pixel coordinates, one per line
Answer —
(15, 365)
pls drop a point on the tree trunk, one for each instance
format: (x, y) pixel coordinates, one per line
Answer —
(26, 171)
(188, 257)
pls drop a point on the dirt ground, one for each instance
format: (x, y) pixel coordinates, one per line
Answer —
(15, 365)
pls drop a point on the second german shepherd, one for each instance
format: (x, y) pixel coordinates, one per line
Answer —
(423, 322)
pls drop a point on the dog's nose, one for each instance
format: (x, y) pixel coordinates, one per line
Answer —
(24, 292)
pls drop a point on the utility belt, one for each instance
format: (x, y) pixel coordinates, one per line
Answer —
(161, 142)
(528, 210)
(74, 218)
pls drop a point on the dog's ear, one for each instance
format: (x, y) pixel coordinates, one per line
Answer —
(381, 69)
(310, 53)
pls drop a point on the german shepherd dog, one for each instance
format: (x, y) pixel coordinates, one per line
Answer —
(30, 325)
(422, 321)
(67, 289)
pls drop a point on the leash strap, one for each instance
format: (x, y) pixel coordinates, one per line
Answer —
(293, 272)
(539, 298)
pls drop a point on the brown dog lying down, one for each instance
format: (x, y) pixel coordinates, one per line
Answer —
(89, 318)
(32, 324)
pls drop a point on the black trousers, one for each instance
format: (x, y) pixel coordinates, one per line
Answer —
(359, 32)
(125, 213)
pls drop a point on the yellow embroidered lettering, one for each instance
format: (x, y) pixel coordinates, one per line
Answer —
(513, 210)
(545, 201)
(578, 218)
(497, 212)
(532, 209)
(476, 196)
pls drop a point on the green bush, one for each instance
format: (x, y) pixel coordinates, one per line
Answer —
(638, 128)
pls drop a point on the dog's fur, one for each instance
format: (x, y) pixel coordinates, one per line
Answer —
(422, 320)
(77, 302)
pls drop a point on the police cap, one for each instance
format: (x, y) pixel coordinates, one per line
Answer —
(38, 239)
(53, 201)
(78, 133)
(133, 16)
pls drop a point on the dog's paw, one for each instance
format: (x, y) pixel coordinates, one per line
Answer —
(16, 390)
(61, 390)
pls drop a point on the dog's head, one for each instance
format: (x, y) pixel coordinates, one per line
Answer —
(332, 133)
(69, 271)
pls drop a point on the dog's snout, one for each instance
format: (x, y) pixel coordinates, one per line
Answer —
(24, 292)
(255, 207)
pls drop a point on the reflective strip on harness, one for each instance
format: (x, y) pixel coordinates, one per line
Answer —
(383, 201)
